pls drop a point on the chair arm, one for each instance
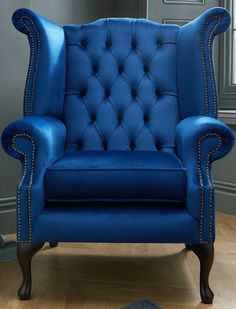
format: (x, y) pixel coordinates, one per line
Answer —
(45, 84)
(195, 70)
(37, 142)
(200, 140)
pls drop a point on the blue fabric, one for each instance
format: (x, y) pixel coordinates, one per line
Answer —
(123, 223)
(195, 69)
(95, 94)
(121, 85)
(37, 142)
(45, 85)
(200, 141)
(116, 176)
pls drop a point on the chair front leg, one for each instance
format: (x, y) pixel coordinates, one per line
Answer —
(25, 252)
(205, 253)
(53, 244)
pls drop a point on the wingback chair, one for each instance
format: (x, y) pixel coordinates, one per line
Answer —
(118, 136)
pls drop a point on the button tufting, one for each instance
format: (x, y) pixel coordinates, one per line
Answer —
(80, 145)
(121, 70)
(105, 146)
(158, 94)
(133, 93)
(134, 44)
(95, 69)
(158, 147)
(158, 43)
(132, 145)
(120, 118)
(145, 118)
(108, 43)
(84, 43)
(107, 93)
(93, 118)
(145, 69)
(82, 93)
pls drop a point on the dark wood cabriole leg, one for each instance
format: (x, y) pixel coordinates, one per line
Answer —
(53, 244)
(187, 246)
(205, 253)
(25, 252)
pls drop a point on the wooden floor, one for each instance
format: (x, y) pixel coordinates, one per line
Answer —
(110, 276)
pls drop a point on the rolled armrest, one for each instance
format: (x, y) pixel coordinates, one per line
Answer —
(195, 70)
(193, 131)
(37, 142)
(200, 140)
(45, 85)
(45, 135)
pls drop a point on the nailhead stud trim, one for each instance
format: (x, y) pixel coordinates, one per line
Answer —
(22, 181)
(202, 194)
(34, 48)
(210, 65)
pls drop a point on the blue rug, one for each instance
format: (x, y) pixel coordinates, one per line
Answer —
(143, 304)
(8, 252)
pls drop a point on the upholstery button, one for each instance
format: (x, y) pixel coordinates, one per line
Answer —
(134, 93)
(134, 44)
(132, 145)
(82, 93)
(120, 118)
(108, 43)
(84, 43)
(158, 94)
(95, 69)
(121, 70)
(158, 43)
(158, 147)
(107, 93)
(80, 145)
(105, 146)
(145, 118)
(93, 118)
(145, 69)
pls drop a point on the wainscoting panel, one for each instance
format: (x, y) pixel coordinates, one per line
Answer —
(7, 215)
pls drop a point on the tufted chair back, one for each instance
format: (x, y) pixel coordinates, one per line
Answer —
(121, 91)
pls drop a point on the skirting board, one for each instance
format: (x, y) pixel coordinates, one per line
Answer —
(7, 215)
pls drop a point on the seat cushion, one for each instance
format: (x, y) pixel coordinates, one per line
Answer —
(116, 176)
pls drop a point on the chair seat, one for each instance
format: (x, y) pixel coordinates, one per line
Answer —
(115, 176)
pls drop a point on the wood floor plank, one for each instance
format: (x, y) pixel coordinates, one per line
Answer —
(111, 276)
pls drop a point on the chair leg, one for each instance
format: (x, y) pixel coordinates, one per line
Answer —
(53, 244)
(187, 246)
(205, 253)
(25, 252)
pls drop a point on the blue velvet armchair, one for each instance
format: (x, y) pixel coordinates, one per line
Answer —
(118, 136)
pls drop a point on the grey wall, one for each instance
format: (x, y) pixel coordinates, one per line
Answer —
(73, 11)
(132, 8)
(13, 62)
(224, 176)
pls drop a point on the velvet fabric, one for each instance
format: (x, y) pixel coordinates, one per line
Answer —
(117, 223)
(195, 69)
(46, 74)
(121, 84)
(119, 131)
(37, 142)
(116, 176)
(200, 141)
